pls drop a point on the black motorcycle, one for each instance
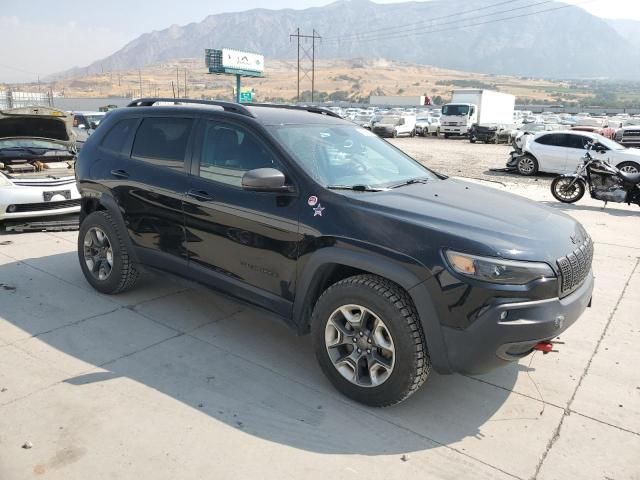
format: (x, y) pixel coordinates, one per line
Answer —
(606, 183)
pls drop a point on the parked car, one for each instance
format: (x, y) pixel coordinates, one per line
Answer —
(394, 126)
(491, 133)
(363, 121)
(87, 120)
(393, 269)
(518, 137)
(37, 157)
(629, 135)
(422, 125)
(595, 125)
(427, 125)
(562, 151)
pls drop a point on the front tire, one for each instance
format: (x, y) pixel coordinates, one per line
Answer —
(566, 193)
(527, 165)
(369, 341)
(103, 254)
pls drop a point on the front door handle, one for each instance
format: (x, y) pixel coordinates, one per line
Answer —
(120, 173)
(200, 195)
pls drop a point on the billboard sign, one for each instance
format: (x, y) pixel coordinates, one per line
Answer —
(234, 62)
(238, 60)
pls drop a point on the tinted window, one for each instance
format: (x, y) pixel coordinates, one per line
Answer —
(575, 141)
(115, 139)
(162, 140)
(553, 139)
(228, 151)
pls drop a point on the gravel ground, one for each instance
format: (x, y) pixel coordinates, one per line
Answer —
(460, 158)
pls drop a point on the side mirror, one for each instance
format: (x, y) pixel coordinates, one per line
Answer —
(265, 180)
(93, 125)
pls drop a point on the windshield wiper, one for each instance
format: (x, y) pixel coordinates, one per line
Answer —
(356, 188)
(411, 181)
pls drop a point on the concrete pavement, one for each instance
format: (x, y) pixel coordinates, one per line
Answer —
(172, 380)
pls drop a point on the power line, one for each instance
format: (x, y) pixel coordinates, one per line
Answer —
(422, 24)
(386, 29)
(311, 56)
(404, 34)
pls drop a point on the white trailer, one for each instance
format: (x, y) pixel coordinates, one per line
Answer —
(475, 106)
(397, 101)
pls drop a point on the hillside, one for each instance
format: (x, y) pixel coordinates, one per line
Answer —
(562, 43)
(335, 79)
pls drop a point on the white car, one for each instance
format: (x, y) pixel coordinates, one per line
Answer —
(427, 125)
(561, 152)
(37, 160)
(394, 125)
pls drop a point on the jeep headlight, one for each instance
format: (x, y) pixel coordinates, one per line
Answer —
(4, 181)
(498, 270)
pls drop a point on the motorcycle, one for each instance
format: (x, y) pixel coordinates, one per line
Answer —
(606, 182)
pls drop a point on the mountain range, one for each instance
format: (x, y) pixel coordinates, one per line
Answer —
(468, 35)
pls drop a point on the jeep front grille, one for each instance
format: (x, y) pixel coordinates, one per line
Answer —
(575, 267)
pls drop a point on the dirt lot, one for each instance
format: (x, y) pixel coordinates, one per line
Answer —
(459, 158)
(174, 381)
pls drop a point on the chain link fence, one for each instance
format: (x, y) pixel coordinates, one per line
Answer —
(16, 99)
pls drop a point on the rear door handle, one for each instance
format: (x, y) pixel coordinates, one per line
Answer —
(199, 195)
(120, 173)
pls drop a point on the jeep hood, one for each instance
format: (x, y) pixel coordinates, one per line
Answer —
(37, 122)
(482, 220)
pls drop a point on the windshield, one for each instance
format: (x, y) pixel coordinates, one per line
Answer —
(534, 127)
(348, 155)
(94, 119)
(423, 119)
(610, 144)
(455, 110)
(389, 119)
(362, 118)
(19, 143)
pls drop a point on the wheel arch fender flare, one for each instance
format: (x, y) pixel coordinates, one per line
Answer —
(110, 204)
(414, 284)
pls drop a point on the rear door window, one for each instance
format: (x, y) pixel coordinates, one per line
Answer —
(551, 139)
(163, 141)
(115, 139)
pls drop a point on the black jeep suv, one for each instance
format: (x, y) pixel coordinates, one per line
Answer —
(392, 268)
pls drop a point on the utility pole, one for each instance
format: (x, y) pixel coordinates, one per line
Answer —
(185, 83)
(309, 56)
(178, 80)
(140, 80)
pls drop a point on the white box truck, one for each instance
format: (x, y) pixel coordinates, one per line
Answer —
(475, 106)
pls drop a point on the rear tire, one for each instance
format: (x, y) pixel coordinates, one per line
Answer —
(565, 194)
(103, 254)
(390, 335)
(527, 165)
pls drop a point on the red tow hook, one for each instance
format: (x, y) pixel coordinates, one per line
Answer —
(546, 347)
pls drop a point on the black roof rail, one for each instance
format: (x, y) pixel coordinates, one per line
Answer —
(227, 106)
(319, 110)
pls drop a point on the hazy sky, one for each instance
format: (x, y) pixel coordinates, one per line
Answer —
(39, 37)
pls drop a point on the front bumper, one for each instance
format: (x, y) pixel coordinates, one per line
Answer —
(486, 136)
(491, 341)
(383, 132)
(31, 201)
(450, 130)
